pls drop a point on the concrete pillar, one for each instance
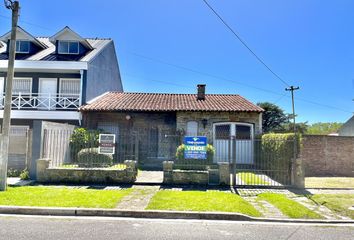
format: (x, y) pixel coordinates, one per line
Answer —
(224, 171)
(42, 165)
(131, 165)
(167, 172)
(37, 137)
(299, 175)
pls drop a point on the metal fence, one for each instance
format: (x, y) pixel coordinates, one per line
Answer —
(149, 147)
(253, 162)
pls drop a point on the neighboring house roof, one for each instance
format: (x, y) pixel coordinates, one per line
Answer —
(48, 53)
(164, 102)
(22, 34)
(347, 128)
(73, 36)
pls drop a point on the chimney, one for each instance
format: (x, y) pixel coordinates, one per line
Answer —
(201, 92)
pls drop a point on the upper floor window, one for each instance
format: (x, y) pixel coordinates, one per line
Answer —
(22, 85)
(69, 87)
(67, 47)
(22, 46)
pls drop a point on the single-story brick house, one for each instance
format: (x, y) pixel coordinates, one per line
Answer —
(161, 119)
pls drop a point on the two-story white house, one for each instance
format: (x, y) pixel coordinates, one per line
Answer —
(55, 75)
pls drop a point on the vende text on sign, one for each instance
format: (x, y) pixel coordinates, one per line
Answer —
(195, 147)
(107, 143)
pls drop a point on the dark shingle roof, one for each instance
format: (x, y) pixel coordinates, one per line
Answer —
(164, 102)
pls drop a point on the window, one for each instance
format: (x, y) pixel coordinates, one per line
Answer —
(243, 132)
(67, 47)
(22, 85)
(22, 46)
(222, 132)
(69, 87)
(192, 128)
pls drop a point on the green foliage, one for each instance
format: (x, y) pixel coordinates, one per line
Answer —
(339, 203)
(24, 175)
(11, 172)
(89, 157)
(273, 117)
(289, 128)
(201, 201)
(288, 207)
(321, 128)
(61, 197)
(277, 152)
(83, 138)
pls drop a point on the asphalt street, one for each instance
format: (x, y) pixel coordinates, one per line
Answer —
(46, 228)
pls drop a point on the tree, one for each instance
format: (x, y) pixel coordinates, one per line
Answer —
(273, 117)
(301, 127)
(321, 128)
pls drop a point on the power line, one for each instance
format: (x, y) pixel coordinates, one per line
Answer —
(210, 75)
(245, 44)
(233, 81)
(204, 73)
(28, 23)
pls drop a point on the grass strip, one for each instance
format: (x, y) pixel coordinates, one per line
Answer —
(251, 178)
(288, 207)
(329, 182)
(202, 201)
(339, 203)
(61, 197)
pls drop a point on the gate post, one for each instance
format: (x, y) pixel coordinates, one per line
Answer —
(299, 176)
(233, 159)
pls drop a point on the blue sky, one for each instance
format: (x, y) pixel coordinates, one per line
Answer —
(172, 45)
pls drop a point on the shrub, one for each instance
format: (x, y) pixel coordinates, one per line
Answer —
(25, 175)
(194, 163)
(277, 152)
(89, 157)
(13, 172)
(83, 138)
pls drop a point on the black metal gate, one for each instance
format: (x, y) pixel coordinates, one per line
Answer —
(253, 162)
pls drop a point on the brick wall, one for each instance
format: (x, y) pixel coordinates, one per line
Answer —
(328, 156)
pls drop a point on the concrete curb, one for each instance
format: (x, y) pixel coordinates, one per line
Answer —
(98, 212)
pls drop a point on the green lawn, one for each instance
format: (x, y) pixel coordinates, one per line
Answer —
(61, 197)
(339, 203)
(329, 182)
(251, 178)
(287, 206)
(201, 201)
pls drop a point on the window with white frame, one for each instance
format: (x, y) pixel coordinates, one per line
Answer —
(68, 47)
(192, 128)
(69, 87)
(22, 46)
(22, 85)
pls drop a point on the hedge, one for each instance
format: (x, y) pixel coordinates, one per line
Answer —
(89, 157)
(277, 153)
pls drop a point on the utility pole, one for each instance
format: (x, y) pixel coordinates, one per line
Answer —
(292, 89)
(14, 6)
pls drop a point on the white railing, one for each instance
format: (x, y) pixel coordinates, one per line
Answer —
(43, 101)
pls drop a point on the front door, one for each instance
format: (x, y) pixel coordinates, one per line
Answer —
(223, 135)
(47, 96)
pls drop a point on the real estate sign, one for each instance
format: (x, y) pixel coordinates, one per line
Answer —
(195, 147)
(107, 143)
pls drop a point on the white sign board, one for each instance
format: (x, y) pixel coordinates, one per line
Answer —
(107, 144)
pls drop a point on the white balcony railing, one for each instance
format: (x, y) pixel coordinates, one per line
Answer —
(43, 101)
